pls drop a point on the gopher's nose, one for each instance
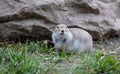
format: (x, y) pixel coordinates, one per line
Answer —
(62, 31)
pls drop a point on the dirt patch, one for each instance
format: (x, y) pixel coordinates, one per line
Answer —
(111, 44)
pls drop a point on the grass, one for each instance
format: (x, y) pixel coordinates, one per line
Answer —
(39, 58)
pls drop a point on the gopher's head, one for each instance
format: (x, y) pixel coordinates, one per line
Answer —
(61, 29)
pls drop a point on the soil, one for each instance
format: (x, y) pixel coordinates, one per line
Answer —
(111, 43)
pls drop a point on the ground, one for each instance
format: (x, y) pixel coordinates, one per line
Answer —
(111, 43)
(39, 58)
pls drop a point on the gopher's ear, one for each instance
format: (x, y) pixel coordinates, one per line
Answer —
(55, 30)
(68, 26)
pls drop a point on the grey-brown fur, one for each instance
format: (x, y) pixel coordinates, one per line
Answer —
(72, 39)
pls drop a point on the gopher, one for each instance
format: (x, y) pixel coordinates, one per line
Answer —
(71, 39)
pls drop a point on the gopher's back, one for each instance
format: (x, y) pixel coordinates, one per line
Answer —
(82, 38)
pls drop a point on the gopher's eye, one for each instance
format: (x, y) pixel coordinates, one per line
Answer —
(57, 27)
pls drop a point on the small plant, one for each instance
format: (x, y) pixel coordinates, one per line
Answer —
(25, 59)
(108, 64)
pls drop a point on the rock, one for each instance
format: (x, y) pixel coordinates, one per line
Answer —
(30, 19)
(108, 1)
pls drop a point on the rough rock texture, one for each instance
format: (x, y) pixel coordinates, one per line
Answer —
(21, 19)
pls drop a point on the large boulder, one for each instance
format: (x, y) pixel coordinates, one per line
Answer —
(22, 19)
